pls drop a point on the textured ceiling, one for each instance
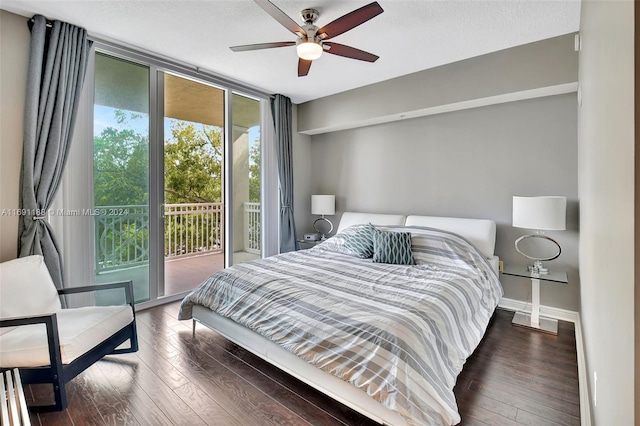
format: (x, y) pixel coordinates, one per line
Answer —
(409, 36)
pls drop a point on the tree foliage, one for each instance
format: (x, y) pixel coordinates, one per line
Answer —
(254, 173)
(193, 164)
(121, 158)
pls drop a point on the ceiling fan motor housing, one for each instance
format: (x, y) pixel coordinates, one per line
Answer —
(309, 15)
(307, 39)
(311, 34)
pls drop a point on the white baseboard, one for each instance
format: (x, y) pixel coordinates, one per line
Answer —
(546, 311)
(583, 377)
(574, 317)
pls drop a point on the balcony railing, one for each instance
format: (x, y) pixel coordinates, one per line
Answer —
(195, 228)
(122, 238)
(252, 228)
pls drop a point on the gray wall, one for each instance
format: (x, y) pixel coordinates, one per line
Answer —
(607, 184)
(302, 185)
(464, 164)
(532, 66)
(14, 45)
(387, 162)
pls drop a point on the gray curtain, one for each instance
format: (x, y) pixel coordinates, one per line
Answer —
(57, 65)
(281, 109)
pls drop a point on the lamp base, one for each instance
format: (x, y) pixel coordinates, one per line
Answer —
(319, 231)
(538, 268)
(546, 325)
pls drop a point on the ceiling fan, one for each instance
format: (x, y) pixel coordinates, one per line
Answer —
(311, 39)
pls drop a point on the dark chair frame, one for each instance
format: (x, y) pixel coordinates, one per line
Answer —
(59, 374)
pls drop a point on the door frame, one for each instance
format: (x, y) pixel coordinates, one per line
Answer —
(270, 191)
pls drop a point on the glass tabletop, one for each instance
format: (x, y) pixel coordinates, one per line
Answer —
(554, 275)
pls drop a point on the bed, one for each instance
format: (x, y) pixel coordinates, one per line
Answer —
(387, 340)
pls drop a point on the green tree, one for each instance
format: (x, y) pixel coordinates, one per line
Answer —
(121, 158)
(254, 173)
(193, 164)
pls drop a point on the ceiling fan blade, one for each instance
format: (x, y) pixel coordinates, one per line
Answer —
(281, 17)
(259, 46)
(350, 20)
(350, 52)
(303, 67)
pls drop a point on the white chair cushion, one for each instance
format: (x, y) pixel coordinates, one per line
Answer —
(26, 288)
(80, 329)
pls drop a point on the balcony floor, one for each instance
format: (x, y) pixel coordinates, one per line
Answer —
(185, 273)
(182, 274)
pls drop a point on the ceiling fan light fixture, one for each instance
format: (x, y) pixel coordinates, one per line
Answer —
(311, 40)
(309, 49)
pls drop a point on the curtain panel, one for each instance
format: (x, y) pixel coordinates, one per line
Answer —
(282, 117)
(57, 65)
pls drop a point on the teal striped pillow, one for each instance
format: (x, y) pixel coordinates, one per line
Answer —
(361, 243)
(392, 247)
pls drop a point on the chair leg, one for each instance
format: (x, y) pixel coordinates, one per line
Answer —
(57, 370)
(59, 390)
(134, 337)
(60, 399)
(60, 393)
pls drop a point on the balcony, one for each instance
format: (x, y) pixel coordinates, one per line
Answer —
(194, 241)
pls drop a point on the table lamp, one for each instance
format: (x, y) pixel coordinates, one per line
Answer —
(542, 214)
(323, 205)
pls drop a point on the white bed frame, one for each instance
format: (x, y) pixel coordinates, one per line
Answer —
(479, 231)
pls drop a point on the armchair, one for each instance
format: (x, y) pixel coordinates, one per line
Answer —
(50, 344)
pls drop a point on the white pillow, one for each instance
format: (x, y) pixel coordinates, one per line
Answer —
(26, 288)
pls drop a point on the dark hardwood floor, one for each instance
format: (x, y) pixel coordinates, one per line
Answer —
(516, 376)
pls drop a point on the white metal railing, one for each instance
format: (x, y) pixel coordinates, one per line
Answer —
(252, 228)
(122, 232)
(193, 228)
(122, 236)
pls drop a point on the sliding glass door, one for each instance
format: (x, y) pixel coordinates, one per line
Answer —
(121, 173)
(194, 234)
(178, 176)
(247, 179)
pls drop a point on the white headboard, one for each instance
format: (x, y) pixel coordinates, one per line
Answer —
(481, 232)
(351, 218)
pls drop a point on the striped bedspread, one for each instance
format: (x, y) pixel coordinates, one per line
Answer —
(399, 333)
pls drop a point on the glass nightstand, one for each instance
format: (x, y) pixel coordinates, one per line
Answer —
(534, 320)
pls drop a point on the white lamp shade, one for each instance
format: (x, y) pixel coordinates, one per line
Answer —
(541, 213)
(323, 204)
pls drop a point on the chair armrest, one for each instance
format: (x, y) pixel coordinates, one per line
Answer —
(17, 321)
(126, 285)
(53, 339)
